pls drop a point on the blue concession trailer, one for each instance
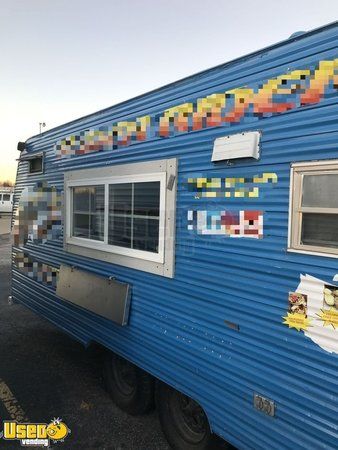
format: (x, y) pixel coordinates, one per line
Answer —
(193, 233)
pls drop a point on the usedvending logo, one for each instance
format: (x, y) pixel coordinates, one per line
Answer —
(35, 434)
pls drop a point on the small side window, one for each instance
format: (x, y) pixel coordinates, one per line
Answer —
(36, 164)
(6, 197)
(314, 208)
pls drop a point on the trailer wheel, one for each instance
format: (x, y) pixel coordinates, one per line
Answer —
(130, 388)
(183, 421)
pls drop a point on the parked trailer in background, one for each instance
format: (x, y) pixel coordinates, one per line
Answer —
(6, 200)
(192, 232)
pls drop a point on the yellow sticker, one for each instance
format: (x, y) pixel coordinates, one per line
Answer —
(296, 320)
(329, 317)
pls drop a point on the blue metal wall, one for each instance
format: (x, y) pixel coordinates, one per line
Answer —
(176, 329)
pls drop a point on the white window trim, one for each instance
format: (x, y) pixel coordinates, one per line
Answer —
(298, 170)
(103, 245)
(161, 263)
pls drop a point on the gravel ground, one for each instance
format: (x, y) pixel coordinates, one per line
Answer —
(52, 375)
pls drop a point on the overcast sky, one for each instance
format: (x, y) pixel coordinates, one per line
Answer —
(62, 59)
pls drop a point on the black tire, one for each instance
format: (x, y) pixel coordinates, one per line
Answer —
(130, 388)
(183, 421)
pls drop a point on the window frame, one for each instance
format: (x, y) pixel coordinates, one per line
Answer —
(104, 245)
(296, 210)
(32, 158)
(28, 157)
(161, 263)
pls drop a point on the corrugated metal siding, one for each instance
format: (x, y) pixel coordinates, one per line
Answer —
(176, 329)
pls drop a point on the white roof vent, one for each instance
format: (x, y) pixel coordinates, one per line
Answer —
(241, 145)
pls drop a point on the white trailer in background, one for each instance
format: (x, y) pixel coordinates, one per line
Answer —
(6, 200)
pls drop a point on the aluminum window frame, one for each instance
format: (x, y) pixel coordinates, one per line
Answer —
(28, 157)
(31, 158)
(296, 210)
(161, 263)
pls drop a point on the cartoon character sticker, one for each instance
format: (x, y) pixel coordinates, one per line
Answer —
(57, 430)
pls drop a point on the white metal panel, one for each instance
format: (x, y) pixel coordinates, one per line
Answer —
(241, 145)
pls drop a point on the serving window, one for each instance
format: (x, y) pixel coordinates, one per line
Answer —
(88, 212)
(314, 208)
(123, 214)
